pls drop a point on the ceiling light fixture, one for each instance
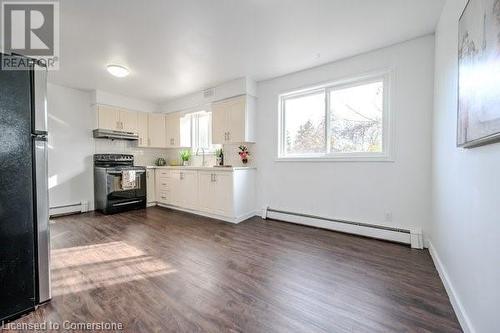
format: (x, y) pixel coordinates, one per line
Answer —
(117, 70)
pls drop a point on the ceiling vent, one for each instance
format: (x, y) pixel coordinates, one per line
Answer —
(210, 92)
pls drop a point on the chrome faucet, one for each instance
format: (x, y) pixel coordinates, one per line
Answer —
(203, 156)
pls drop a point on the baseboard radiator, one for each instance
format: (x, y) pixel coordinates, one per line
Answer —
(400, 235)
(75, 208)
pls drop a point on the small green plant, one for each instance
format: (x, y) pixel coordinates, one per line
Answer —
(218, 152)
(185, 155)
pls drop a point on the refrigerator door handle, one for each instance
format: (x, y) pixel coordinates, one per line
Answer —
(40, 99)
(42, 218)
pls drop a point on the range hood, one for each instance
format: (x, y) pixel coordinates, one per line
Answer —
(114, 135)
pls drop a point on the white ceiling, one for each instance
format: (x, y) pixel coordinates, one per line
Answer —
(175, 47)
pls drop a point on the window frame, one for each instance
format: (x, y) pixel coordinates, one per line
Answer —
(194, 116)
(386, 155)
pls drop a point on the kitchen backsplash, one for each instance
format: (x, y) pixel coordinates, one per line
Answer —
(142, 156)
(147, 156)
(231, 156)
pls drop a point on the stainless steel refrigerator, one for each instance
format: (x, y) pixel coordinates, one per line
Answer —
(24, 214)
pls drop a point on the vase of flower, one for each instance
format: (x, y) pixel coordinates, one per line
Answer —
(244, 153)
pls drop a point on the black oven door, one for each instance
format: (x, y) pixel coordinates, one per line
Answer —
(116, 193)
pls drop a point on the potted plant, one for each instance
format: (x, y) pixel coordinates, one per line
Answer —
(244, 153)
(185, 156)
(219, 155)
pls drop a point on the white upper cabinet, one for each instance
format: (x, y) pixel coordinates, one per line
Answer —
(233, 120)
(128, 121)
(108, 117)
(173, 127)
(157, 136)
(142, 129)
(116, 119)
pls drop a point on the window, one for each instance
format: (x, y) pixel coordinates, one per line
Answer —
(196, 131)
(348, 120)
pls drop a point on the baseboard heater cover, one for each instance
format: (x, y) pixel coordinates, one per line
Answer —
(81, 207)
(400, 235)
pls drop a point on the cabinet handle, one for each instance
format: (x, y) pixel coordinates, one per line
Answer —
(228, 136)
(215, 177)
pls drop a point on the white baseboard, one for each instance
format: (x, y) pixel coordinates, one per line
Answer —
(81, 207)
(234, 220)
(450, 290)
(412, 236)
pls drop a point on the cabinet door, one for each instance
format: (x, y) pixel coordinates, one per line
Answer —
(173, 129)
(156, 131)
(223, 194)
(219, 122)
(236, 119)
(206, 191)
(128, 121)
(150, 186)
(189, 189)
(175, 188)
(142, 129)
(108, 118)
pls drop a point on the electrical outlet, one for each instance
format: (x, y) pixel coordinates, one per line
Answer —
(388, 217)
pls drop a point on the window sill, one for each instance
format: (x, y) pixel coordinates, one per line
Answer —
(337, 159)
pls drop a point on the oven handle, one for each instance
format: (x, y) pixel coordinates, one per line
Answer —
(119, 172)
(126, 203)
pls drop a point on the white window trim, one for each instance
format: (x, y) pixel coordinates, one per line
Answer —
(387, 154)
(194, 131)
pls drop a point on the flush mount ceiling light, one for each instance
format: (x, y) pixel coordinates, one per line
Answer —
(117, 70)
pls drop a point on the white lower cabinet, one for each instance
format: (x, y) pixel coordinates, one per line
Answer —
(162, 186)
(150, 187)
(215, 192)
(184, 188)
(227, 195)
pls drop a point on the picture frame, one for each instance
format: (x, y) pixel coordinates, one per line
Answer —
(478, 118)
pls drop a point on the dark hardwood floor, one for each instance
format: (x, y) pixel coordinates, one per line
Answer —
(158, 270)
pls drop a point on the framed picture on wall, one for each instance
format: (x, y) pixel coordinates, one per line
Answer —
(479, 74)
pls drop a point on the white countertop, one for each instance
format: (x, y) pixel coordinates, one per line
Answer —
(199, 168)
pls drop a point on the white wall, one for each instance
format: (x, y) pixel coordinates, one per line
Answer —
(358, 191)
(71, 146)
(106, 98)
(224, 90)
(466, 191)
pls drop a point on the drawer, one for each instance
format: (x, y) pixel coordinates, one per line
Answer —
(162, 173)
(163, 197)
(163, 184)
